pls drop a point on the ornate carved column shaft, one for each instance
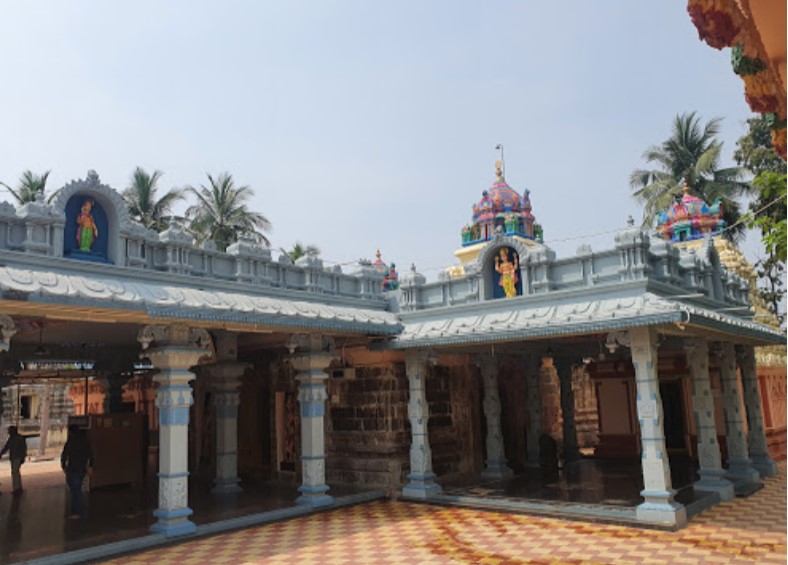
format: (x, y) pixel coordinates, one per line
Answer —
(756, 436)
(739, 464)
(711, 471)
(313, 358)
(659, 505)
(569, 429)
(421, 477)
(226, 380)
(173, 350)
(495, 466)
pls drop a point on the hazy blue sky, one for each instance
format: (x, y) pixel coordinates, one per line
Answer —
(363, 125)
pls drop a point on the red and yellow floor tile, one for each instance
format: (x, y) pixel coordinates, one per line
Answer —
(751, 530)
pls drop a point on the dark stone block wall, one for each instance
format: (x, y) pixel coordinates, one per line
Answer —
(456, 424)
(367, 430)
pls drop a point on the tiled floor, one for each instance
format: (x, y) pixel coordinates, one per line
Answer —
(751, 530)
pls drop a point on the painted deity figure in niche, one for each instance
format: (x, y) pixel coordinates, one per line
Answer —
(508, 271)
(87, 231)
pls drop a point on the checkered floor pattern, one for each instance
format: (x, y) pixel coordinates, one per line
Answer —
(751, 530)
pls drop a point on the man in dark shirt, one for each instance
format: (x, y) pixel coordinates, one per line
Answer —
(17, 448)
(75, 462)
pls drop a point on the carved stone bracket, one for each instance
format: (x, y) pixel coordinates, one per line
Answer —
(177, 335)
(616, 339)
(7, 331)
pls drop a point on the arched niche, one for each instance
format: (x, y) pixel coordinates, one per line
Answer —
(515, 247)
(109, 213)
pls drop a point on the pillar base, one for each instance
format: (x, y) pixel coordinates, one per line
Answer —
(314, 496)
(742, 470)
(714, 481)
(664, 512)
(421, 486)
(226, 486)
(497, 470)
(174, 522)
(764, 465)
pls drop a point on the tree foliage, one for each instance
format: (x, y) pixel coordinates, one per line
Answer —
(221, 213)
(30, 185)
(142, 202)
(768, 210)
(691, 156)
(300, 250)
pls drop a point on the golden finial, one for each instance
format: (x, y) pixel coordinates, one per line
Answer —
(499, 169)
(686, 187)
(377, 255)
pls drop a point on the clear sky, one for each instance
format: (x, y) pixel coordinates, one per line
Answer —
(363, 125)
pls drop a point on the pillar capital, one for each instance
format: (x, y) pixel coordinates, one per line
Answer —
(486, 362)
(311, 355)
(415, 357)
(175, 347)
(226, 375)
(694, 345)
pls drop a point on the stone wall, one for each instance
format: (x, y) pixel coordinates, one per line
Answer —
(367, 430)
(456, 427)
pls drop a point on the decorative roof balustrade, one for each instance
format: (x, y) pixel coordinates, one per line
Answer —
(44, 234)
(638, 257)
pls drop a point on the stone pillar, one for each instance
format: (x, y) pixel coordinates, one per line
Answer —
(659, 505)
(711, 472)
(173, 350)
(569, 430)
(550, 399)
(495, 466)
(534, 408)
(226, 380)
(314, 355)
(421, 477)
(739, 464)
(756, 435)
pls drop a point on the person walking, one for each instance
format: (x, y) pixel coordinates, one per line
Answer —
(76, 461)
(16, 446)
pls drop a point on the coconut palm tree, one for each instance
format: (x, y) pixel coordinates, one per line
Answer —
(300, 250)
(30, 185)
(141, 201)
(690, 155)
(221, 213)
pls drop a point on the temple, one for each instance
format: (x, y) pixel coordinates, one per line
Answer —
(620, 384)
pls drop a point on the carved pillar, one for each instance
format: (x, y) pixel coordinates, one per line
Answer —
(173, 350)
(314, 355)
(7, 331)
(659, 505)
(569, 429)
(495, 466)
(226, 380)
(756, 436)
(709, 458)
(739, 464)
(550, 399)
(421, 477)
(534, 408)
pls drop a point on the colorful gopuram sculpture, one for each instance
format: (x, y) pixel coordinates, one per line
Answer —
(501, 206)
(390, 276)
(690, 218)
